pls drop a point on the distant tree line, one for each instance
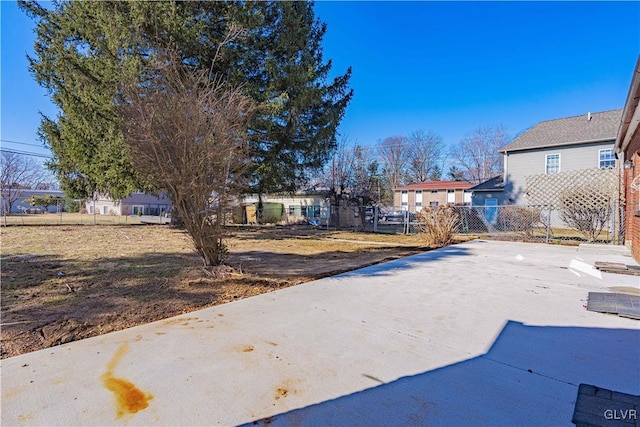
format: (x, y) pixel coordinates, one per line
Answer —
(367, 175)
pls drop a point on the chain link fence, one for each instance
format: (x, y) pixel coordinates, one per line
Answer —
(66, 218)
(537, 223)
(544, 223)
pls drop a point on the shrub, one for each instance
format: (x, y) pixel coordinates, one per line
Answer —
(520, 219)
(437, 225)
(586, 209)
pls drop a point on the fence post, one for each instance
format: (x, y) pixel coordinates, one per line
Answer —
(613, 221)
(375, 219)
(548, 225)
(406, 222)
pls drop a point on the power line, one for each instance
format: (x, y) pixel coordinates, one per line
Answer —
(25, 153)
(25, 143)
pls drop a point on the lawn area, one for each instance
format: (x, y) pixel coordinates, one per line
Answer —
(63, 283)
(66, 218)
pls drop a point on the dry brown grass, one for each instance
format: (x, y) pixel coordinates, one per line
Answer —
(65, 283)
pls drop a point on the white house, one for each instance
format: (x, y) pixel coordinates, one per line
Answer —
(137, 203)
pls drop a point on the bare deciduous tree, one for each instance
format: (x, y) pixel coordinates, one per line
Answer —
(478, 153)
(425, 154)
(17, 174)
(394, 157)
(352, 178)
(366, 181)
(186, 134)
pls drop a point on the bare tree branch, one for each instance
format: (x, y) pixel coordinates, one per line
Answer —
(478, 153)
(425, 152)
(394, 157)
(186, 135)
(17, 174)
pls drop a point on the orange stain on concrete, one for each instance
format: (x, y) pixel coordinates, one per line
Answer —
(129, 398)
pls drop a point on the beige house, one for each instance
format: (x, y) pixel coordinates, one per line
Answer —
(414, 197)
(296, 208)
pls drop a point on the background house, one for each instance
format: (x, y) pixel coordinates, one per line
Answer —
(414, 197)
(302, 207)
(137, 203)
(288, 208)
(556, 147)
(492, 189)
(628, 149)
(19, 196)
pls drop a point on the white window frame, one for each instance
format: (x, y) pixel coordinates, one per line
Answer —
(546, 163)
(418, 200)
(610, 150)
(467, 197)
(454, 196)
(404, 200)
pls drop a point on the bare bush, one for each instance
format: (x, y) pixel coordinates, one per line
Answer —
(437, 225)
(586, 209)
(520, 219)
(186, 135)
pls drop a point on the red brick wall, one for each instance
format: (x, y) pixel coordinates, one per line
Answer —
(632, 197)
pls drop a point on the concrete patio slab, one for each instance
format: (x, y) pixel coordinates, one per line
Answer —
(481, 333)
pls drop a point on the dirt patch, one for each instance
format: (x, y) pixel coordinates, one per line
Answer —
(61, 284)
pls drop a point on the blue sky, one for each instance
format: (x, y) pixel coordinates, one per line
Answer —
(448, 67)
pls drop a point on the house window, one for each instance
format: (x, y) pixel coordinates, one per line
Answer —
(418, 200)
(294, 210)
(552, 163)
(404, 200)
(433, 204)
(451, 196)
(138, 210)
(607, 159)
(467, 197)
(434, 191)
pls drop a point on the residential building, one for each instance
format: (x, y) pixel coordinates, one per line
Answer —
(137, 203)
(491, 192)
(291, 208)
(301, 207)
(627, 148)
(553, 151)
(414, 197)
(557, 146)
(21, 199)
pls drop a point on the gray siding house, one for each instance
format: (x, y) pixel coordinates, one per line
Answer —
(553, 147)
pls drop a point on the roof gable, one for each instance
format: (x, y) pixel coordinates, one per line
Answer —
(599, 127)
(493, 184)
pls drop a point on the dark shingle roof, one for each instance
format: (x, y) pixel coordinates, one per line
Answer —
(494, 184)
(569, 130)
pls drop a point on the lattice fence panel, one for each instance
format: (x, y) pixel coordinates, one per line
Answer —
(589, 188)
